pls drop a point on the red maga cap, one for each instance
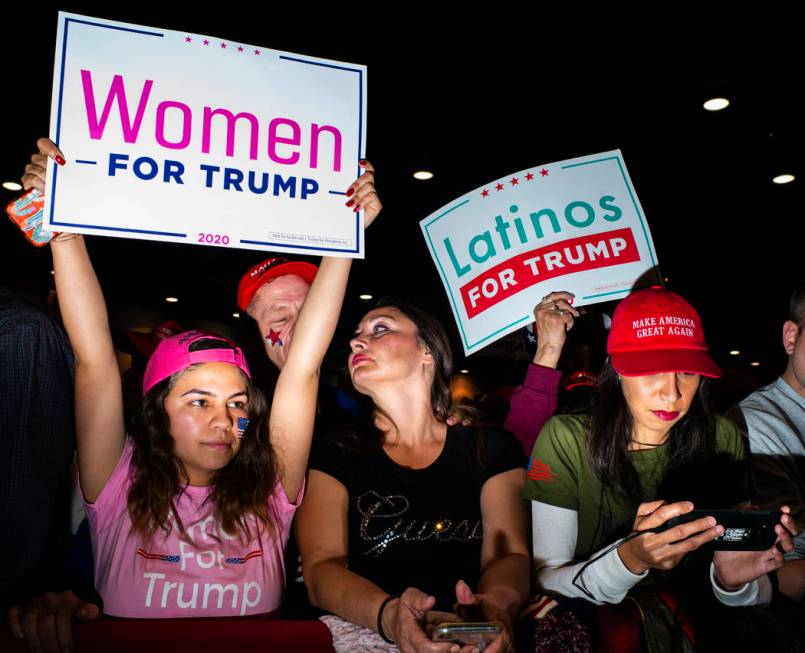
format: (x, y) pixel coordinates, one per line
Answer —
(655, 330)
(267, 270)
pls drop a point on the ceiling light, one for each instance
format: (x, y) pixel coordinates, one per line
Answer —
(235, 314)
(716, 104)
(365, 298)
(423, 175)
(11, 185)
(464, 371)
(755, 364)
(783, 179)
(171, 300)
(734, 352)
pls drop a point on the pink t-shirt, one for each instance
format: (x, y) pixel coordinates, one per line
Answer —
(205, 573)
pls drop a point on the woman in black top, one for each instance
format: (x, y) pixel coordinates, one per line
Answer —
(408, 514)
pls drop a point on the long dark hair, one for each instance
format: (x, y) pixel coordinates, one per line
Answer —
(239, 490)
(691, 439)
(363, 434)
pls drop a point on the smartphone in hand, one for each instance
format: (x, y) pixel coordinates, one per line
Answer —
(744, 530)
(27, 212)
(478, 634)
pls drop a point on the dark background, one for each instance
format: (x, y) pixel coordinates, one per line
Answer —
(476, 97)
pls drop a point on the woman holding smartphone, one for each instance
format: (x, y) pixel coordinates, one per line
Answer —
(650, 449)
(405, 515)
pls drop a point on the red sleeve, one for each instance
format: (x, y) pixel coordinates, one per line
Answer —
(532, 404)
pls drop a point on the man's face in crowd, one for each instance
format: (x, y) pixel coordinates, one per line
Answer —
(794, 343)
(275, 307)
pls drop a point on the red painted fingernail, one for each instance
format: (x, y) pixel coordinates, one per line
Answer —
(60, 160)
(357, 208)
(362, 162)
(350, 191)
(351, 202)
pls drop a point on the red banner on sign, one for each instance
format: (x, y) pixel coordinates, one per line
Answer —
(569, 256)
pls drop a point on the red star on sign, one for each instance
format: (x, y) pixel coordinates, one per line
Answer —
(274, 337)
(498, 186)
(529, 176)
(223, 45)
(240, 48)
(187, 39)
(514, 181)
(484, 192)
(206, 42)
(257, 52)
(543, 172)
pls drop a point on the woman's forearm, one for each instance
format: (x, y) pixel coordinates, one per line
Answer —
(554, 541)
(506, 583)
(319, 314)
(81, 302)
(333, 587)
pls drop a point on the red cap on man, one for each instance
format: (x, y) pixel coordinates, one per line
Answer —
(271, 268)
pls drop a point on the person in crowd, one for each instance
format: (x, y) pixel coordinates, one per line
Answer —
(37, 439)
(650, 449)
(405, 515)
(535, 401)
(273, 291)
(774, 420)
(189, 513)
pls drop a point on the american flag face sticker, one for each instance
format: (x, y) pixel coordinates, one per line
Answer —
(273, 338)
(243, 424)
(540, 471)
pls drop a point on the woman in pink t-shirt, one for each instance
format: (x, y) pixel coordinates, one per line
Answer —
(190, 512)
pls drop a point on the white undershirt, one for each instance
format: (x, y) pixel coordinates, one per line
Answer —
(555, 531)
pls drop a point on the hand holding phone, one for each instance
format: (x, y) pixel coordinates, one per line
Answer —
(744, 530)
(27, 212)
(478, 634)
(735, 568)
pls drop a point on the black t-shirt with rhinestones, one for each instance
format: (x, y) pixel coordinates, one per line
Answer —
(419, 527)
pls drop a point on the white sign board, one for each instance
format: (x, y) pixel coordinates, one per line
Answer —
(575, 225)
(187, 138)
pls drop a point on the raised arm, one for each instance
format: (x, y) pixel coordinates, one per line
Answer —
(100, 430)
(533, 403)
(293, 409)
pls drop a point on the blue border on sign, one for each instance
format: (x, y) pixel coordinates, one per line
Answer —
(357, 247)
(54, 168)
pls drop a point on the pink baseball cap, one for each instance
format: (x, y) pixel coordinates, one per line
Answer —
(267, 270)
(173, 354)
(655, 330)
